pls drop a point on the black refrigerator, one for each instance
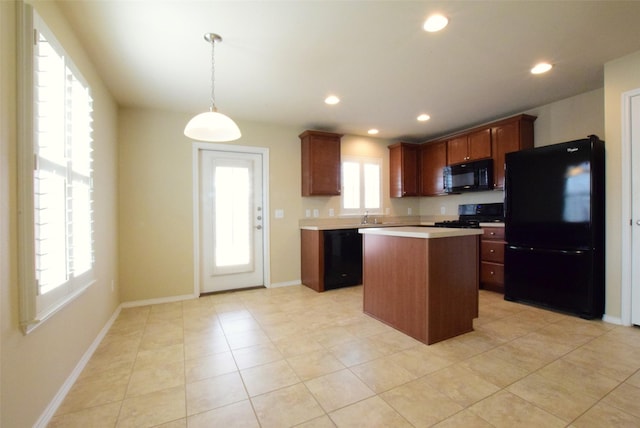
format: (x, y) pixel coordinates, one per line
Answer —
(554, 227)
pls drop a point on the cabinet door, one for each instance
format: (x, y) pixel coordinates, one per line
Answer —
(320, 164)
(506, 140)
(403, 170)
(433, 159)
(457, 150)
(479, 144)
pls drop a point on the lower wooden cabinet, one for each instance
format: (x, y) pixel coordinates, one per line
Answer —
(331, 258)
(492, 259)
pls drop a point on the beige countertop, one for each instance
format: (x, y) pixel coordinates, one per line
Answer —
(419, 232)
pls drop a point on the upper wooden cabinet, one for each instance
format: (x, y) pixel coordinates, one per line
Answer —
(433, 159)
(467, 147)
(403, 170)
(509, 135)
(320, 163)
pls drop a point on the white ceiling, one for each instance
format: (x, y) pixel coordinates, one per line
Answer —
(280, 59)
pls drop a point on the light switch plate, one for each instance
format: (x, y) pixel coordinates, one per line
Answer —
(279, 213)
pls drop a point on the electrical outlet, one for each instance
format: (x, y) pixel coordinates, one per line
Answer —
(113, 285)
(331, 212)
(279, 213)
(409, 211)
(316, 213)
(307, 212)
(443, 210)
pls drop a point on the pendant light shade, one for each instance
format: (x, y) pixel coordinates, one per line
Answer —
(211, 125)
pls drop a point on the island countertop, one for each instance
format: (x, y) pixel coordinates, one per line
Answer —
(419, 232)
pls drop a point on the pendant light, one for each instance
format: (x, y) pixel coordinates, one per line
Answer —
(211, 125)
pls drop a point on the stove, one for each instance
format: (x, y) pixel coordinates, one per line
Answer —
(471, 215)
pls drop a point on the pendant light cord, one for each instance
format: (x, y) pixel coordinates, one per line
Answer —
(213, 72)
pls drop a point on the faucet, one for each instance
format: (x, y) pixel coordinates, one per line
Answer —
(365, 218)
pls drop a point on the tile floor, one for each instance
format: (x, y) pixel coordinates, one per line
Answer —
(292, 357)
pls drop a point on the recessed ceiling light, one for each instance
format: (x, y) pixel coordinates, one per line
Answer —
(372, 131)
(331, 100)
(435, 23)
(540, 68)
(423, 117)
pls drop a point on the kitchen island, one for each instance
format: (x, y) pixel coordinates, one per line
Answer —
(422, 281)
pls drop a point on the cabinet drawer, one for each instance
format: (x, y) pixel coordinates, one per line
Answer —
(491, 273)
(492, 251)
(495, 233)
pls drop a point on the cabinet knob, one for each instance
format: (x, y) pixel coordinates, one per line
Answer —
(492, 273)
(492, 251)
(492, 233)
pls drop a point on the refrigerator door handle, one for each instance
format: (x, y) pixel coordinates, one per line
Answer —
(546, 250)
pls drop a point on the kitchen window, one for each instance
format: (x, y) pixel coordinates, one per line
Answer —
(56, 176)
(361, 185)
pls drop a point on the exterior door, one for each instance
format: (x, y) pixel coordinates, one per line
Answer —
(231, 220)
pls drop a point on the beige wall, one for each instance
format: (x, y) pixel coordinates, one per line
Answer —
(28, 385)
(621, 75)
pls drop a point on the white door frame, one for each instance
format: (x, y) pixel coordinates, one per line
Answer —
(626, 277)
(196, 148)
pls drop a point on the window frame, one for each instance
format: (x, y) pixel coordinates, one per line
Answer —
(362, 160)
(36, 307)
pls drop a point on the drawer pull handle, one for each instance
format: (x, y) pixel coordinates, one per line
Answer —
(492, 251)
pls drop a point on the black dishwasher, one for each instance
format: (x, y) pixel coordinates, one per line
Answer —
(342, 258)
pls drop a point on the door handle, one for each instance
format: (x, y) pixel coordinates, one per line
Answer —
(258, 227)
(638, 222)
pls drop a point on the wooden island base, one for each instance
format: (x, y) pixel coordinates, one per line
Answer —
(424, 287)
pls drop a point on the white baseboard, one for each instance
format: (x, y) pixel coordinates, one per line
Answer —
(285, 284)
(51, 409)
(158, 301)
(612, 320)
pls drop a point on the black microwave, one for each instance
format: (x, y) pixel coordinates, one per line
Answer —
(469, 176)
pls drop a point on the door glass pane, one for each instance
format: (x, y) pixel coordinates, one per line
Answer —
(232, 216)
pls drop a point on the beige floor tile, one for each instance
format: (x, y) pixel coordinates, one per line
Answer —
(382, 374)
(286, 407)
(152, 357)
(560, 399)
(252, 356)
(338, 389)
(210, 366)
(419, 360)
(466, 419)
(421, 404)
(297, 345)
(153, 409)
(494, 370)
(93, 390)
(247, 338)
(232, 326)
(105, 416)
(178, 423)
(392, 341)
(506, 410)
(214, 392)
(160, 338)
(606, 362)
(268, 377)
(461, 384)
(579, 378)
(372, 412)
(635, 379)
(604, 415)
(321, 422)
(314, 364)
(156, 377)
(202, 347)
(626, 397)
(236, 415)
(355, 352)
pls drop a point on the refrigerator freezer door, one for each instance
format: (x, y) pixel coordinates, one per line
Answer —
(559, 279)
(548, 196)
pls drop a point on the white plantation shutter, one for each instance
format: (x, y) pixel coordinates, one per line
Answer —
(361, 185)
(58, 137)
